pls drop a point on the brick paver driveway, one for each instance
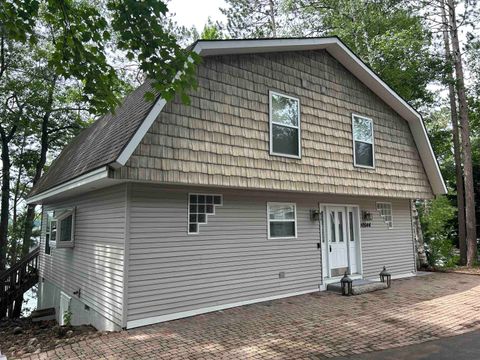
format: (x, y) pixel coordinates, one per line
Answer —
(316, 326)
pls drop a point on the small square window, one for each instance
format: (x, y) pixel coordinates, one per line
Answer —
(201, 199)
(209, 199)
(217, 200)
(193, 217)
(193, 228)
(210, 209)
(193, 199)
(202, 218)
(193, 208)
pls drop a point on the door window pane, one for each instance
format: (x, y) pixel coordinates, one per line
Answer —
(340, 226)
(332, 226)
(350, 220)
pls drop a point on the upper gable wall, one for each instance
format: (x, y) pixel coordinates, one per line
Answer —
(222, 138)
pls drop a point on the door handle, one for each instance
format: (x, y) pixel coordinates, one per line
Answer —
(330, 248)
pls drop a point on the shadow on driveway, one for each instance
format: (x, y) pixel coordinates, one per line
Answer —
(462, 347)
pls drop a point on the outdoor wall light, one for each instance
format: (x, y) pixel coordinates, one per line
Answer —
(385, 277)
(314, 214)
(347, 285)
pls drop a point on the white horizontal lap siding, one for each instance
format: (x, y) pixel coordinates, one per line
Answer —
(231, 260)
(382, 246)
(95, 264)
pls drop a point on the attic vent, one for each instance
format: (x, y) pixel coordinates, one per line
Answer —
(199, 207)
(385, 210)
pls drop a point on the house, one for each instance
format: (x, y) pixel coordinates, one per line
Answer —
(293, 163)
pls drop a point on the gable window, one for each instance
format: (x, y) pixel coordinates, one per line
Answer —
(363, 146)
(385, 210)
(282, 220)
(284, 125)
(199, 207)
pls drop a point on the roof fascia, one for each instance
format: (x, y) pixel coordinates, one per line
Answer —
(89, 178)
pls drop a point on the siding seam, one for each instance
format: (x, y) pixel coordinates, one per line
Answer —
(126, 254)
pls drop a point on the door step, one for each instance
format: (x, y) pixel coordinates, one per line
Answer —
(43, 314)
(359, 286)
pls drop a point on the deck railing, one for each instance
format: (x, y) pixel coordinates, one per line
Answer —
(15, 281)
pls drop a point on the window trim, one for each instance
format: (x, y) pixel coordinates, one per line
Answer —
(270, 125)
(391, 212)
(365, 142)
(206, 215)
(70, 243)
(294, 220)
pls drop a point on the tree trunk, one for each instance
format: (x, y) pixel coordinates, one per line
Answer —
(272, 19)
(30, 215)
(470, 220)
(462, 242)
(422, 261)
(5, 200)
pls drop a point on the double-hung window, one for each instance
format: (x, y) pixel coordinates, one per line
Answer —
(363, 144)
(60, 229)
(282, 220)
(284, 125)
(385, 210)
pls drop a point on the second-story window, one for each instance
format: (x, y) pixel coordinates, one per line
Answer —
(284, 125)
(363, 147)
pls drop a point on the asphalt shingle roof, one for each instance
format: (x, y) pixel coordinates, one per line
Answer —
(100, 144)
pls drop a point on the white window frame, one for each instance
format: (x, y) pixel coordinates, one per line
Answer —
(48, 231)
(64, 215)
(206, 215)
(287, 220)
(391, 212)
(271, 122)
(365, 142)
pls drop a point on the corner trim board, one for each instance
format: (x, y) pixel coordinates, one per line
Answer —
(183, 314)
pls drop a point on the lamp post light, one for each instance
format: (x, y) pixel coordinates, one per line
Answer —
(385, 277)
(346, 283)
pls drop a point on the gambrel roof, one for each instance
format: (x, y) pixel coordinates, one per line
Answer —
(111, 140)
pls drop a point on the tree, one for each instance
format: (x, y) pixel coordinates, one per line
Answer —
(456, 141)
(390, 37)
(254, 18)
(470, 218)
(211, 31)
(78, 39)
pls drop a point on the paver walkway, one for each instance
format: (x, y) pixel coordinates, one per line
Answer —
(318, 326)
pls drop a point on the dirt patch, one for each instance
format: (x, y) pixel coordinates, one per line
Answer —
(465, 270)
(22, 336)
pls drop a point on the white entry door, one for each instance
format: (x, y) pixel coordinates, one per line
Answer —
(337, 240)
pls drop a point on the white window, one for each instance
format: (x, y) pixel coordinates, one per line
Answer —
(199, 207)
(385, 210)
(363, 144)
(282, 220)
(60, 229)
(284, 125)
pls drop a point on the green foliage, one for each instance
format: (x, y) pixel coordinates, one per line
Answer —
(83, 32)
(436, 219)
(67, 318)
(391, 38)
(211, 31)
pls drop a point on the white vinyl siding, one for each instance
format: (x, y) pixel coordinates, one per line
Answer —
(232, 259)
(95, 263)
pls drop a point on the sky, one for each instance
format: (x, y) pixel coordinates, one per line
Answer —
(196, 12)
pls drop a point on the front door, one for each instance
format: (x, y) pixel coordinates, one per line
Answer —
(337, 241)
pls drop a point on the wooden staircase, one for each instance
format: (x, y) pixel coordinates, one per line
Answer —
(15, 281)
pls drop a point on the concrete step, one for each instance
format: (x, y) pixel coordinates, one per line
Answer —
(359, 286)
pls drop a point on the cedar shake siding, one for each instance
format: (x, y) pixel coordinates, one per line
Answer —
(232, 259)
(96, 262)
(222, 138)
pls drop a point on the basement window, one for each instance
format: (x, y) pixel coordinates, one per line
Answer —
(282, 220)
(200, 206)
(284, 125)
(385, 210)
(363, 144)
